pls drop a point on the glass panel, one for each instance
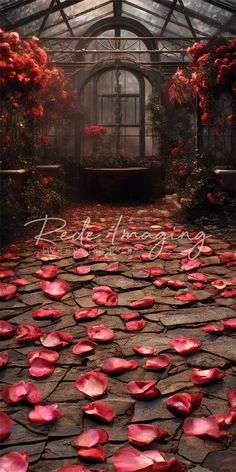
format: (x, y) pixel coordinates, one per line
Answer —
(205, 8)
(27, 10)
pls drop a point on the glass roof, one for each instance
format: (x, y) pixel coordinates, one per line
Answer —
(181, 18)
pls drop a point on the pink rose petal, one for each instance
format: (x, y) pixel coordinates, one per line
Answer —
(117, 365)
(100, 410)
(84, 347)
(136, 325)
(143, 390)
(230, 323)
(86, 314)
(202, 376)
(104, 296)
(93, 384)
(44, 313)
(100, 334)
(158, 363)
(92, 454)
(6, 329)
(5, 426)
(14, 461)
(145, 350)
(143, 434)
(146, 302)
(28, 332)
(4, 358)
(22, 391)
(56, 339)
(7, 291)
(46, 272)
(91, 438)
(185, 346)
(45, 414)
(56, 289)
(202, 427)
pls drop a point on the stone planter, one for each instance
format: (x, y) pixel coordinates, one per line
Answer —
(119, 184)
(13, 176)
(227, 180)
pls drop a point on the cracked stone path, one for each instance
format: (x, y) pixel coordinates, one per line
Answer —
(120, 266)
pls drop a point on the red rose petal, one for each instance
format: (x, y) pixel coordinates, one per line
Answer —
(82, 270)
(197, 277)
(84, 347)
(6, 273)
(28, 332)
(219, 284)
(158, 363)
(20, 282)
(212, 328)
(231, 397)
(136, 325)
(202, 376)
(116, 365)
(56, 289)
(22, 391)
(206, 250)
(91, 438)
(183, 403)
(146, 302)
(104, 296)
(113, 267)
(56, 339)
(145, 350)
(41, 367)
(4, 358)
(14, 461)
(143, 434)
(46, 272)
(186, 297)
(159, 283)
(130, 316)
(230, 323)
(6, 329)
(176, 284)
(86, 314)
(44, 313)
(100, 410)
(93, 384)
(79, 254)
(185, 346)
(93, 453)
(154, 271)
(228, 293)
(202, 427)
(100, 334)
(45, 414)
(190, 264)
(129, 459)
(48, 354)
(7, 291)
(5, 426)
(143, 390)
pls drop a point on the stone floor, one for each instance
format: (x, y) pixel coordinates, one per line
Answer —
(52, 446)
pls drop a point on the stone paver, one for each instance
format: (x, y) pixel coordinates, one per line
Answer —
(53, 446)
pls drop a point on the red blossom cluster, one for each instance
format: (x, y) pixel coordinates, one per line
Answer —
(180, 169)
(95, 130)
(216, 198)
(27, 82)
(212, 69)
(45, 181)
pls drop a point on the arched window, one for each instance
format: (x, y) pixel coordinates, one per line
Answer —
(99, 102)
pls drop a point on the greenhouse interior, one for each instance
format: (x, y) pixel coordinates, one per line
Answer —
(118, 241)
